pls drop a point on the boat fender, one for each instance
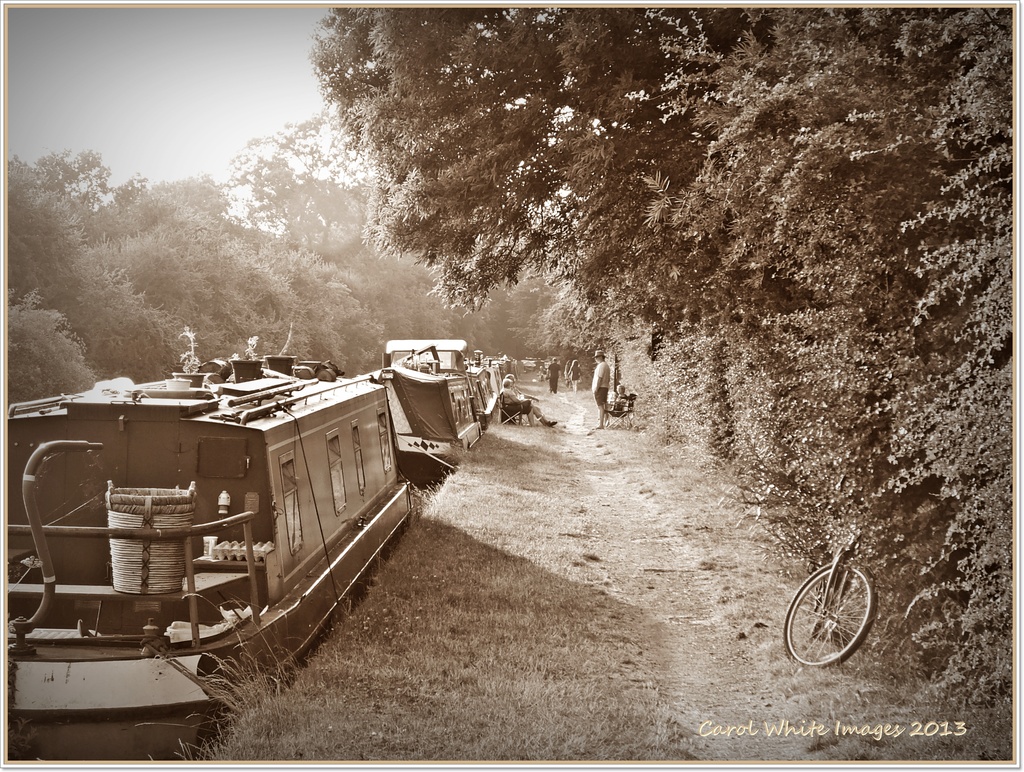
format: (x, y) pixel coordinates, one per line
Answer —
(219, 370)
(328, 371)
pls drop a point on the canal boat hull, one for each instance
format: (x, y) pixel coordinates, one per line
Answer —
(104, 702)
(88, 678)
(436, 403)
(433, 419)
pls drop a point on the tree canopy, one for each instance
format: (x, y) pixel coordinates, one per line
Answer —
(806, 214)
(304, 184)
(103, 280)
(505, 139)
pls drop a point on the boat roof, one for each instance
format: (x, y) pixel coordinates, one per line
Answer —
(260, 404)
(418, 344)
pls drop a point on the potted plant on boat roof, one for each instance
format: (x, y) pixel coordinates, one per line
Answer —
(248, 367)
(283, 362)
(190, 362)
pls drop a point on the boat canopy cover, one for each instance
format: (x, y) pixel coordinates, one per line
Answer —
(452, 353)
(427, 404)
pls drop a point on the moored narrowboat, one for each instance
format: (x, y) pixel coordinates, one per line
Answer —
(433, 404)
(161, 533)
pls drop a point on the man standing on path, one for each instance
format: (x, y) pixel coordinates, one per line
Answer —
(554, 370)
(602, 380)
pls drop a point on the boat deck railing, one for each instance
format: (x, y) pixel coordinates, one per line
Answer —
(183, 534)
(241, 408)
(247, 407)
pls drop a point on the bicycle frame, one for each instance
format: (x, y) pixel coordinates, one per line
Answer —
(832, 594)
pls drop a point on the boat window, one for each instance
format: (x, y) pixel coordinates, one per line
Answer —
(290, 502)
(337, 473)
(385, 439)
(358, 450)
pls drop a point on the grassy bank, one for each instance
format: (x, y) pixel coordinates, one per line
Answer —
(583, 597)
(464, 651)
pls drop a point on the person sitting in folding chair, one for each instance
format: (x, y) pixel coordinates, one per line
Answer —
(514, 401)
(535, 407)
(619, 410)
(511, 408)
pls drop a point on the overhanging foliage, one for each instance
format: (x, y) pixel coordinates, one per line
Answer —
(812, 206)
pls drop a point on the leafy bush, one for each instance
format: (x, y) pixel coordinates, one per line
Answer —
(865, 241)
(45, 357)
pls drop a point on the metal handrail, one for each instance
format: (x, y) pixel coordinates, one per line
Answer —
(39, 533)
(36, 404)
(28, 490)
(245, 416)
(285, 390)
(151, 534)
(269, 393)
(183, 533)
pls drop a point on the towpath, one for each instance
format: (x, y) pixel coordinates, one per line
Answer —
(659, 533)
(691, 626)
(671, 540)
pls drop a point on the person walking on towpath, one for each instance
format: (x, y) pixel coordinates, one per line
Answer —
(602, 380)
(554, 370)
(572, 374)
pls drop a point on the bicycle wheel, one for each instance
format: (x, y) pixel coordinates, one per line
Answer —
(823, 630)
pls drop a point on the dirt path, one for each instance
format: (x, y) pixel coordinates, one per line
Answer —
(672, 543)
(653, 530)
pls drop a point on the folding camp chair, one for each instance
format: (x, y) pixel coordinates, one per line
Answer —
(620, 412)
(511, 412)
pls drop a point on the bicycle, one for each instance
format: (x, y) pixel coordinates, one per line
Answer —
(832, 612)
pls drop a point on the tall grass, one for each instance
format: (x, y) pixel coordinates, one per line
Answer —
(465, 651)
(461, 652)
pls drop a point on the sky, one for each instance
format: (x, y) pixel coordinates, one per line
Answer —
(164, 92)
